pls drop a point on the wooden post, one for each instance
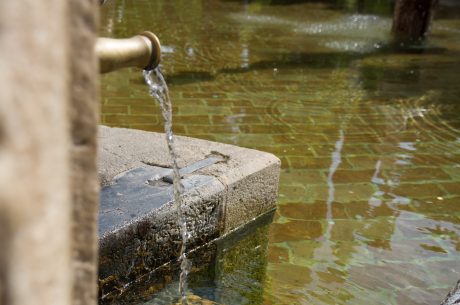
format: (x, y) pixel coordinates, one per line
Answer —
(411, 19)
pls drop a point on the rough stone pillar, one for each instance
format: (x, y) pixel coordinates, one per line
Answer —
(411, 19)
(35, 199)
(84, 114)
(48, 176)
(84, 119)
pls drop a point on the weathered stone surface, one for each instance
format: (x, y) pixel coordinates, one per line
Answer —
(84, 112)
(239, 188)
(149, 241)
(48, 118)
(35, 199)
(223, 261)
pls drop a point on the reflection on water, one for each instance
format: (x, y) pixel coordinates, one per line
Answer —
(358, 33)
(368, 138)
(336, 160)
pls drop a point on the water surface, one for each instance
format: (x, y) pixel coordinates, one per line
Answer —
(369, 139)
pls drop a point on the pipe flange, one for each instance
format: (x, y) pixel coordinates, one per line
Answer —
(156, 50)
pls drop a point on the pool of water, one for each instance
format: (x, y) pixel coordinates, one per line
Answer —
(368, 135)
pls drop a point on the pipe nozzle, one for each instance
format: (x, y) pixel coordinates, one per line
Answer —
(142, 51)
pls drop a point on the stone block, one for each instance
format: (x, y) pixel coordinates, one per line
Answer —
(138, 222)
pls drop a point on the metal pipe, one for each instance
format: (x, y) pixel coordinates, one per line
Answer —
(142, 51)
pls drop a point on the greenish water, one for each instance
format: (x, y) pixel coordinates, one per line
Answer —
(369, 138)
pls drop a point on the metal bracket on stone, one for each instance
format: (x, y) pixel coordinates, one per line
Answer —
(194, 167)
(140, 190)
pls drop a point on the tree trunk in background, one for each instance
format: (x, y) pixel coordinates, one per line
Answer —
(360, 6)
(412, 18)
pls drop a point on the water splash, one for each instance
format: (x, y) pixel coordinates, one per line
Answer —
(352, 33)
(159, 91)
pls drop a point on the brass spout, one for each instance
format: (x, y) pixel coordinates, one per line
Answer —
(142, 51)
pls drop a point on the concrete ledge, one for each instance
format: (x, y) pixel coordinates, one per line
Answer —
(136, 237)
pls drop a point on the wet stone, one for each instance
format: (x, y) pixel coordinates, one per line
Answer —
(368, 280)
(309, 163)
(444, 272)
(302, 150)
(331, 276)
(353, 176)
(303, 252)
(419, 296)
(192, 120)
(366, 209)
(277, 254)
(295, 230)
(451, 188)
(363, 229)
(130, 119)
(306, 177)
(289, 275)
(315, 211)
(114, 109)
(453, 172)
(284, 163)
(419, 190)
(235, 119)
(353, 192)
(300, 138)
(292, 193)
(409, 250)
(421, 174)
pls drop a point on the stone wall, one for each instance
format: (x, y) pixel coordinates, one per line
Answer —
(48, 129)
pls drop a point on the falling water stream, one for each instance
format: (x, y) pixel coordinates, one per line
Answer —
(368, 137)
(159, 91)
